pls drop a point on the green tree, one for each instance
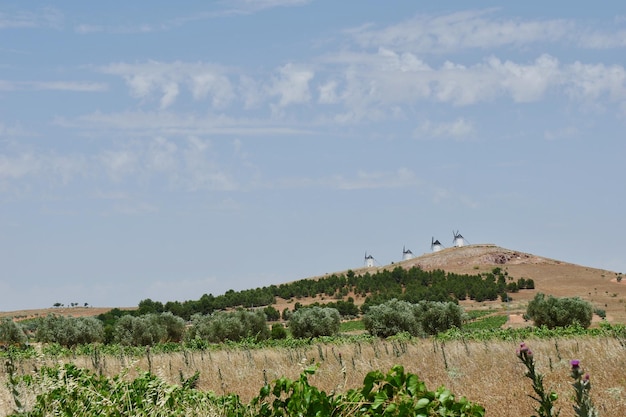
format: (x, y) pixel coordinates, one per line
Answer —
(314, 322)
(11, 333)
(271, 313)
(390, 318)
(436, 317)
(69, 331)
(559, 312)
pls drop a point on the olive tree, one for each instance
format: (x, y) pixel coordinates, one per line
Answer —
(559, 312)
(11, 333)
(148, 329)
(69, 331)
(393, 317)
(234, 326)
(435, 317)
(314, 321)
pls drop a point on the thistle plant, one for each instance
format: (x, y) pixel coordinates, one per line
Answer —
(545, 399)
(582, 387)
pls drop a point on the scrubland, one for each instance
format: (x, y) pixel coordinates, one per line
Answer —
(486, 372)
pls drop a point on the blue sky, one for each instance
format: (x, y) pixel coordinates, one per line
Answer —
(196, 147)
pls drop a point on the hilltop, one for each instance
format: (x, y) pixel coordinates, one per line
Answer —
(551, 276)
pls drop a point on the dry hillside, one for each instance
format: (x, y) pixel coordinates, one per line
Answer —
(551, 276)
(554, 277)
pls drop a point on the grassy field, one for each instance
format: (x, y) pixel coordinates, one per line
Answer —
(487, 372)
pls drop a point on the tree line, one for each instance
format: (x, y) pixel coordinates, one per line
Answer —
(412, 285)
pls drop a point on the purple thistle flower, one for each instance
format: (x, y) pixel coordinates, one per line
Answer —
(575, 363)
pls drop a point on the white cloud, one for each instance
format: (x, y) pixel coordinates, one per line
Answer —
(459, 128)
(460, 31)
(591, 81)
(119, 163)
(527, 83)
(401, 178)
(19, 166)
(33, 165)
(165, 122)
(166, 78)
(561, 133)
(328, 93)
(42, 18)
(76, 86)
(250, 6)
(292, 84)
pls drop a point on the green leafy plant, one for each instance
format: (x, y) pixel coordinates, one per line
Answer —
(546, 399)
(583, 406)
(314, 322)
(559, 312)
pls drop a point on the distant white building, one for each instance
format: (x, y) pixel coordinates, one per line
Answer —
(369, 260)
(435, 245)
(406, 254)
(458, 240)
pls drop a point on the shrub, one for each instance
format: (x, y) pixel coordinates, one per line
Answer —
(436, 317)
(314, 322)
(69, 331)
(559, 312)
(11, 333)
(136, 331)
(234, 326)
(391, 318)
(278, 331)
(395, 316)
(271, 313)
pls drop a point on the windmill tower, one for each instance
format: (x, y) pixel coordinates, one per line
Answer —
(406, 254)
(435, 245)
(458, 240)
(369, 260)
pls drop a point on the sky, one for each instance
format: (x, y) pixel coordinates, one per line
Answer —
(200, 146)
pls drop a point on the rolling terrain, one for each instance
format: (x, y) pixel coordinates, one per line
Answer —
(553, 277)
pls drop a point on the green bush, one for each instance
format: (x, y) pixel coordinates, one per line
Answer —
(271, 313)
(278, 331)
(136, 331)
(234, 326)
(393, 317)
(436, 317)
(69, 331)
(425, 317)
(11, 333)
(314, 322)
(559, 312)
(148, 329)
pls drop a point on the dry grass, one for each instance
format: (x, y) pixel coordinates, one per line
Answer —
(485, 372)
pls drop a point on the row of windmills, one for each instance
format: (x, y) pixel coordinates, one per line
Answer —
(457, 241)
(435, 246)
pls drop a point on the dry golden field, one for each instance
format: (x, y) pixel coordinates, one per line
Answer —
(485, 372)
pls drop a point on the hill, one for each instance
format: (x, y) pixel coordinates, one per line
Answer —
(553, 277)
(561, 279)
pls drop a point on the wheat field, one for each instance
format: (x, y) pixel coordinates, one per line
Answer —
(488, 372)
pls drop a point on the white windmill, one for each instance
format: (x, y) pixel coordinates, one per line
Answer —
(435, 245)
(406, 254)
(458, 240)
(369, 260)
